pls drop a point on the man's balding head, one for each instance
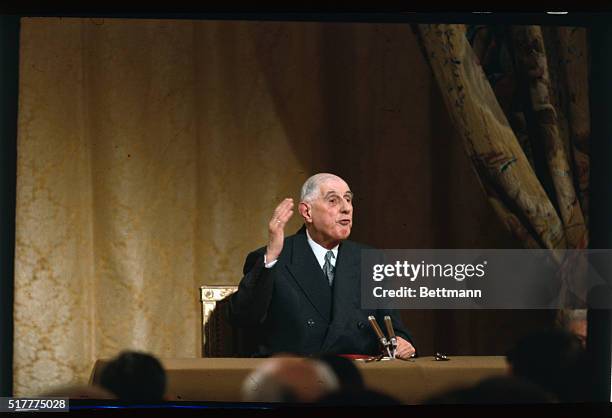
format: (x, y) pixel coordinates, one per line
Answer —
(311, 187)
(289, 379)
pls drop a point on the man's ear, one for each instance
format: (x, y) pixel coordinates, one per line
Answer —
(304, 209)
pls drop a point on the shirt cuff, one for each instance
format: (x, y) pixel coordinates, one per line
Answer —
(270, 264)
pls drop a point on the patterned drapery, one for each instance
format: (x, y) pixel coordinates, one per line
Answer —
(511, 92)
(518, 96)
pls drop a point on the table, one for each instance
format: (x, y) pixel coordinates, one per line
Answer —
(220, 379)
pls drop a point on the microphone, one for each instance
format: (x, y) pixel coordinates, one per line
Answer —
(379, 334)
(391, 333)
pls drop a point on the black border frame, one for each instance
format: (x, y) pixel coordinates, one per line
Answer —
(601, 109)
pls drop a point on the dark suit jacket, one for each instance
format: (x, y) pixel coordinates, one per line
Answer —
(297, 311)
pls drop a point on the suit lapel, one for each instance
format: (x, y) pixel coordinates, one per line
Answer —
(346, 278)
(346, 290)
(307, 272)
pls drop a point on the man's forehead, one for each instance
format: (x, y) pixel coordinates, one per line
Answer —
(335, 185)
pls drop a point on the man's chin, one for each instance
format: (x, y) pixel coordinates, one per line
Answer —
(343, 234)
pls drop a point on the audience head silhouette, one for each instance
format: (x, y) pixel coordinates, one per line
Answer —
(555, 360)
(496, 390)
(289, 379)
(358, 397)
(348, 375)
(134, 376)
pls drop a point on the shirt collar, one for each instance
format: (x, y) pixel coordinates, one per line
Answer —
(320, 251)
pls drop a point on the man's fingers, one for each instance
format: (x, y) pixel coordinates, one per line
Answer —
(405, 350)
(407, 353)
(280, 222)
(287, 202)
(285, 216)
(282, 213)
(404, 354)
(284, 206)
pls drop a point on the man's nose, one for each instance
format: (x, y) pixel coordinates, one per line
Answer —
(346, 207)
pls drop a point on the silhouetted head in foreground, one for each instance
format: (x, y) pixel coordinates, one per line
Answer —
(495, 390)
(289, 379)
(349, 376)
(358, 397)
(554, 359)
(135, 377)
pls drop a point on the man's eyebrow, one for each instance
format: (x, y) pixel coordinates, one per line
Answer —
(331, 192)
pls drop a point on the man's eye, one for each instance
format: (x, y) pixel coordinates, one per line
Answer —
(333, 200)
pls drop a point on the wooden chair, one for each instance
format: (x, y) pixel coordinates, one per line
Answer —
(219, 337)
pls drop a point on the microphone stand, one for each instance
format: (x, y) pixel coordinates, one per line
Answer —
(381, 337)
(391, 333)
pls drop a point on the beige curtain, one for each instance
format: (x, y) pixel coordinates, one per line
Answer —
(139, 179)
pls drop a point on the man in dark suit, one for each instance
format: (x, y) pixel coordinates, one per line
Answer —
(303, 291)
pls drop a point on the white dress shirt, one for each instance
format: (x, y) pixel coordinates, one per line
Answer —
(318, 250)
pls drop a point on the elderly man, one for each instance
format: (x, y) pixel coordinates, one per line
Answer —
(303, 291)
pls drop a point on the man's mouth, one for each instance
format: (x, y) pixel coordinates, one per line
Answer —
(345, 222)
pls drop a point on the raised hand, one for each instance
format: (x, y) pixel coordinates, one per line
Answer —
(276, 229)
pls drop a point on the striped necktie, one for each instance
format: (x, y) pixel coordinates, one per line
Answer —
(328, 268)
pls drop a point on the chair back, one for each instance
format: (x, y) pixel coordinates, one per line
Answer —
(219, 337)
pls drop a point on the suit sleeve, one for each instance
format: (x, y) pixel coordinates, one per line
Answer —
(249, 305)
